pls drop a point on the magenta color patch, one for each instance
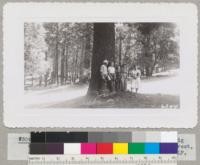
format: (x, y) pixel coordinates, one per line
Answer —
(88, 148)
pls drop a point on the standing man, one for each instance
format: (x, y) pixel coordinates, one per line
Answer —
(104, 75)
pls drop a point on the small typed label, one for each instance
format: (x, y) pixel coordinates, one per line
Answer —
(18, 146)
(187, 147)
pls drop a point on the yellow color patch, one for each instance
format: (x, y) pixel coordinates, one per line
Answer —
(120, 148)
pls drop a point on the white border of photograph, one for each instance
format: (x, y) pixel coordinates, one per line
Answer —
(14, 16)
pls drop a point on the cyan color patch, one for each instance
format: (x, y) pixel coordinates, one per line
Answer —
(152, 148)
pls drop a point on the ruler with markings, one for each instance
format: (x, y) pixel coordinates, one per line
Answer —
(170, 159)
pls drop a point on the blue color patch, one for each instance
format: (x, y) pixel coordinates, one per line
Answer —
(152, 148)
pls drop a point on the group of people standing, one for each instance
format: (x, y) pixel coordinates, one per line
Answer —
(115, 77)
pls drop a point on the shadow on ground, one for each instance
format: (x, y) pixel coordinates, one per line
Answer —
(122, 100)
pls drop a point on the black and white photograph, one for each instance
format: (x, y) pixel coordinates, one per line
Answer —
(101, 65)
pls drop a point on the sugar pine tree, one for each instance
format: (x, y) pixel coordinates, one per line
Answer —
(103, 48)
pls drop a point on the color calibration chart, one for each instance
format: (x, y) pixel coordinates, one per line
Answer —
(137, 148)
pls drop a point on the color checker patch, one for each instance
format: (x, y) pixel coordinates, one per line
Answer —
(136, 148)
(152, 148)
(88, 148)
(104, 148)
(72, 148)
(55, 148)
(120, 148)
(168, 148)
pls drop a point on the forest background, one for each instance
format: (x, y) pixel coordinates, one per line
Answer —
(70, 54)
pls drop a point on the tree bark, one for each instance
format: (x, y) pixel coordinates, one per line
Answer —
(66, 63)
(82, 56)
(56, 55)
(88, 47)
(103, 48)
(62, 75)
(120, 49)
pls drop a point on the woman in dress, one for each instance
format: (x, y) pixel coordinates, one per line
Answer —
(135, 75)
(138, 79)
(111, 77)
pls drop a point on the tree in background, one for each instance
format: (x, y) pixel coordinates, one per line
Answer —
(159, 46)
(70, 49)
(35, 49)
(52, 40)
(151, 46)
(67, 53)
(126, 47)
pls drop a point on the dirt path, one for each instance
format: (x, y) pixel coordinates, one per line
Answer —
(156, 92)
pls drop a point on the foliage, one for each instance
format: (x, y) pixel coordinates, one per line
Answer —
(60, 53)
(151, 45)
(34, 49)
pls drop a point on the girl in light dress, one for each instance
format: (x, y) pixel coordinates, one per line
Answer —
(111, 77)
(135, 75)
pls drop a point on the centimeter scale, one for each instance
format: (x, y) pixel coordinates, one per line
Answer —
(170, 159)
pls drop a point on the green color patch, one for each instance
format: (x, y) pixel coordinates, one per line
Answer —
(136, 148)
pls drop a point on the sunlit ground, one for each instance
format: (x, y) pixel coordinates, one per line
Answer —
(161, 84)
(52, 96)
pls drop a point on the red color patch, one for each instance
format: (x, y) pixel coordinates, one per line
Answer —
(104, 148)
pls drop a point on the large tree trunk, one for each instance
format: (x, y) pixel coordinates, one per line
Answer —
(120, 49)
(103, 48)
(56, 55)
(62, 74)
(88, 47)
(66, 63)
(81, 66)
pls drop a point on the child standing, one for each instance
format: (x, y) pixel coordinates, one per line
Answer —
(135, 75)
(138, 79)
(111, 76)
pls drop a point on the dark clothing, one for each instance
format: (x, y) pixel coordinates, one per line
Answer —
(118, 82)
(111, 82)
(103, 85)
